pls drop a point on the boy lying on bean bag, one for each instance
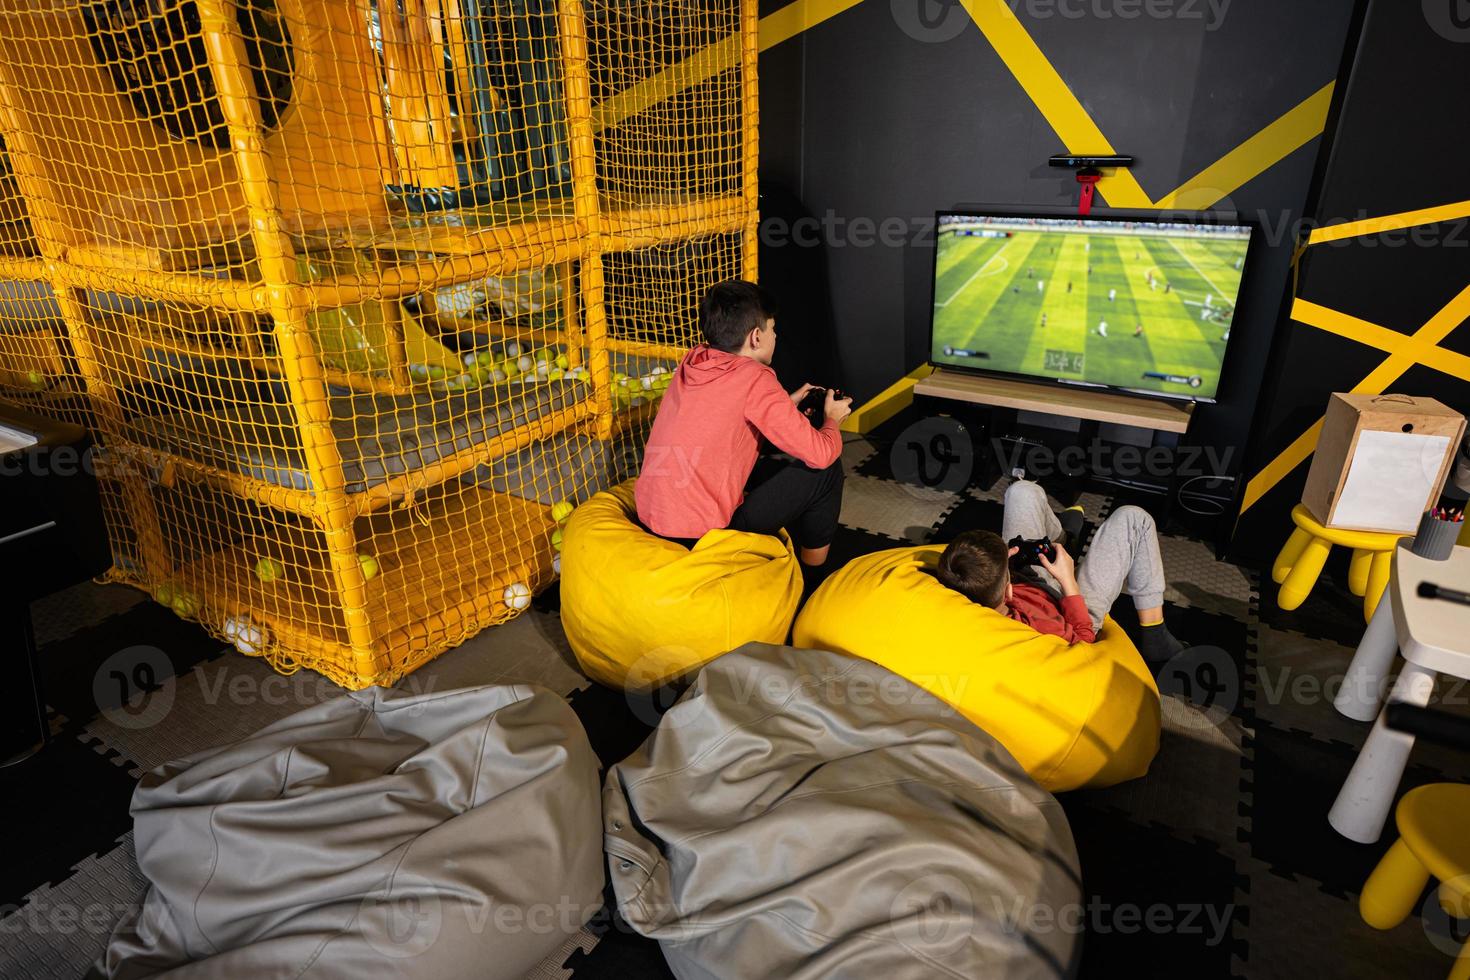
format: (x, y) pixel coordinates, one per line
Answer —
(1072, 713)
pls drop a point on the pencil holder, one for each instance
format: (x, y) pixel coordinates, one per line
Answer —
(1436, 538)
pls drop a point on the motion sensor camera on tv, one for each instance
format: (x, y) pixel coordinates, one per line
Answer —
(1077, 161)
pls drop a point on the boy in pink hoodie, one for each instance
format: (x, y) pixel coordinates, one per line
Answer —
(701, 469)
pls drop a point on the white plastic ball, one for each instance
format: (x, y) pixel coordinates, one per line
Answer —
(244, 633)
(517, 595)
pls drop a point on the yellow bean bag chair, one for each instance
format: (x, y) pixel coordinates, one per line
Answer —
(640, 611)
(1078, 715)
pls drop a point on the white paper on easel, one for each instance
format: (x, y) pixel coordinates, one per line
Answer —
(1389, 480)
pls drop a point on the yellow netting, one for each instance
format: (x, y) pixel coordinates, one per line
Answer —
(356, 294)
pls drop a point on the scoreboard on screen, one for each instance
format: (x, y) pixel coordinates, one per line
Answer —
(982, 233)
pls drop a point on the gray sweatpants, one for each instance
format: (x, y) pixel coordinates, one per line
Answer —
(1123, 557)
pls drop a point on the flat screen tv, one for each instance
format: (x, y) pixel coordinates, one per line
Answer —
(1130, 303)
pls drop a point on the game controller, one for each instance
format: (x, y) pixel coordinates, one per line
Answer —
(814, 405)
(1031, 552)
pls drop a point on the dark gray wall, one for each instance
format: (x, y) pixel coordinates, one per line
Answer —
(878, 114)
(1399, 145)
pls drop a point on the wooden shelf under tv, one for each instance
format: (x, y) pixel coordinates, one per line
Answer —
(1049, 399)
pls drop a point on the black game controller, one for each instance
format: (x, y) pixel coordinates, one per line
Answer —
(814, 405)
(1031, 552)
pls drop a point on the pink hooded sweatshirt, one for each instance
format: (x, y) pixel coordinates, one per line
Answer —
(706, 437)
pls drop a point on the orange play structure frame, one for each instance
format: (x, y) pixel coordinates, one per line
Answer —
(353, 295)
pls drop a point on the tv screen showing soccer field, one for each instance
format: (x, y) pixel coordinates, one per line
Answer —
(1144, 306)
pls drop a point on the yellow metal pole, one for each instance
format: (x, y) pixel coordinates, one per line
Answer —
(393, 314)
(46, 222)
(750, 141)
(570, 312)
(578, 87)
(157, 566)
(300, 364)
(460, 256)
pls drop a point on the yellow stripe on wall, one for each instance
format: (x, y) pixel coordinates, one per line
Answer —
(1293, 130)
(775, 28)
(636, 98)
(1275, 471)
(1390, 222)
(1050, 93)
(796, 17)
(1416, 348)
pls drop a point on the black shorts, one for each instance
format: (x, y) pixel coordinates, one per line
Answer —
(783, 493)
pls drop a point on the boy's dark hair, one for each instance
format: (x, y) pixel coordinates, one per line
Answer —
(731, 310)
(976, 565)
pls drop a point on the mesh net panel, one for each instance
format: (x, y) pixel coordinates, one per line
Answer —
(357, 295)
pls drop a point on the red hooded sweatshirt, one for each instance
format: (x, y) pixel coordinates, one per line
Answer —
(706, 437)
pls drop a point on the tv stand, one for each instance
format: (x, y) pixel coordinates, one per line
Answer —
(1002, 398)
(1093, 404)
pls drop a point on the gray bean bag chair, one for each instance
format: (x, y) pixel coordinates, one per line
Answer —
(803, 814)
(444, 835)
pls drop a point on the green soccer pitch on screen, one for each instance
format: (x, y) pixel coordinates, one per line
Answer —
(1132, 304)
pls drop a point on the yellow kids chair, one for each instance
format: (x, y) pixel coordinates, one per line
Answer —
(1301, 559)
(1433, 842)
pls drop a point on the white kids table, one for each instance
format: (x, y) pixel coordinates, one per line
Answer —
(1434, 637)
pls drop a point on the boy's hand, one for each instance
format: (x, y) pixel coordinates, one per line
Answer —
(800, 393)
(837, 409)
(1063, 569)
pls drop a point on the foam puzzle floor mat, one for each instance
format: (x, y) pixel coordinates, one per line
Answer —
(1219, 863)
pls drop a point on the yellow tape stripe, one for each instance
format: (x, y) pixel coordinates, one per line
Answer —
(1449, 362)
(1390, 222)
(1293, 130)
(775, 28)
(1275, 471)
(1407, 352)
(1344, 325)
(887, 403)
(792, 19)
(1046, 88)
(698, 67)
